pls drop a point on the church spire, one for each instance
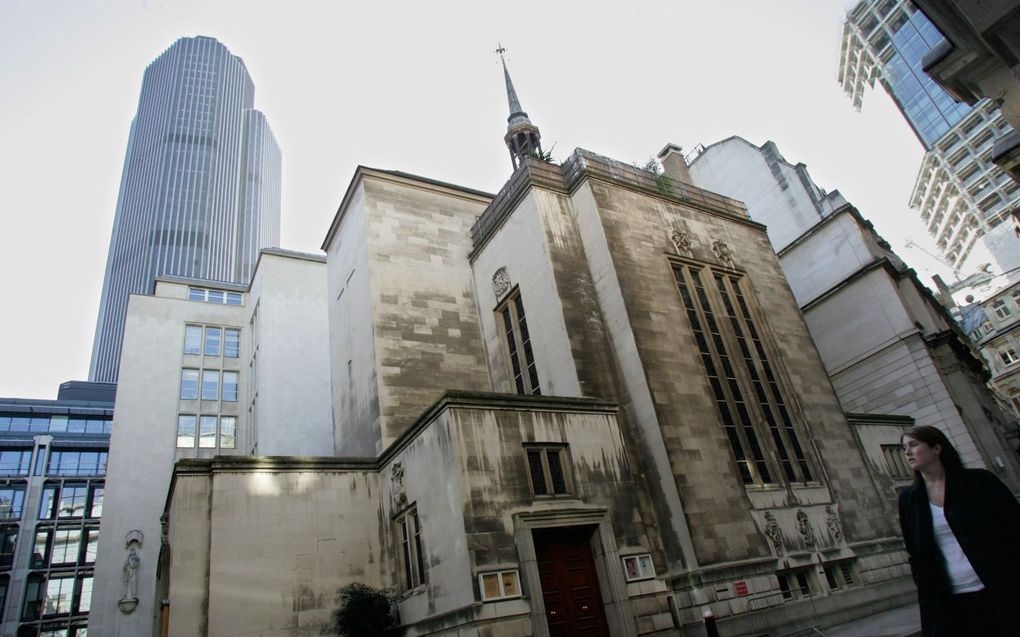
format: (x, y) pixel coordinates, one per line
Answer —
(522, 137)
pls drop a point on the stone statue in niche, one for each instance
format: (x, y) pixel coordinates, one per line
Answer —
(833, 524)
(723, 252)
(804, 526)
(773, 533)
(681, 241)
(129, 574)
(501, 282)
(399, 496)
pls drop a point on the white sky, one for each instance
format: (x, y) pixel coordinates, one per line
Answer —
(411, 86)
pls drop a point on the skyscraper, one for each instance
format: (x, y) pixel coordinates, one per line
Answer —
(200, 189)
(963, 198)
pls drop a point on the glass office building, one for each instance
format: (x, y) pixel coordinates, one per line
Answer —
(200, 189)
(52, 474)
(962, 197)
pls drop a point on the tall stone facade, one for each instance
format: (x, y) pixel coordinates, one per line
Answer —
(594, 374)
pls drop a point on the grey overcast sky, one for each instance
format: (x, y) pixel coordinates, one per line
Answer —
(411, 86)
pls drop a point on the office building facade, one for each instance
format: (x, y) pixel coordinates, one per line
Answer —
(200, 189)
(964, 199)
(52, 481)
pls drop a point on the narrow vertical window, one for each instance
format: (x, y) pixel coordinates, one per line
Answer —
(207, 432)
(193, 339)
(518, 342)
(210, 385)
(230, 386)
(189, 384)
(213, 341)
(411, 552)
(231, 343)
(228, 432)
(185, 432)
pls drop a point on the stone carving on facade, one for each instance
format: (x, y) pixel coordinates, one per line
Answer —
(501, 282)
(129, 574)
(681, 241)
(723, 252)
(399, 495)
(773, 533)
(805, 529)
(833, 524)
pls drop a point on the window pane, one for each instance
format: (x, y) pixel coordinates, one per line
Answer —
(41, 548)
(66, 544)
(185, 432)
(231, 343)
(210, 385)
(196, 294)
(49, 501)
(189, 384)
(490, 586)
(511, 587)
(8, 539)
(72, 501)
(228, 432)
(215, 296)
(207, 433)
(85, 599)
(91, 545)
(559, 485)
(233, 298)
(11, 501)
(213, 340)
(537, 473)
(230, 386)
(15, 462)
(96, 510)
(192, 339)
(58, 595)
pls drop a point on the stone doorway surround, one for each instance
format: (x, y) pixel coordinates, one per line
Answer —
(608, 570)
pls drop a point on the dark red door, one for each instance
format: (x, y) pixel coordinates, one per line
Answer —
(570, 588)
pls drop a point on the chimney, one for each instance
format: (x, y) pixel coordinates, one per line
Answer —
(673, 163)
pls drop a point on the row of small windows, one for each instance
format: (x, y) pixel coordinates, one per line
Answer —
(55, 424)
(210, 388)
(17, 462)
(60, 547)
(205, 295)
(58, 502)
(213, 432)
(212, 341)
(54, 595)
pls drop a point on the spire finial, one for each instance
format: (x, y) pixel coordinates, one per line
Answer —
(522, 136)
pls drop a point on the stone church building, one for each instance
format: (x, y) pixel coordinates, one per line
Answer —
(588, 405)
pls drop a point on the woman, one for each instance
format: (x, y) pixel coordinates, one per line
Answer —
(962, 532)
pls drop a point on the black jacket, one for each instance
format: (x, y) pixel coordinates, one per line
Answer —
(985, 518)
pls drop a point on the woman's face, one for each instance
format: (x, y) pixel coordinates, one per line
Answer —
(919, 454)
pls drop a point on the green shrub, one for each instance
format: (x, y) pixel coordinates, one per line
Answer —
(363, 611)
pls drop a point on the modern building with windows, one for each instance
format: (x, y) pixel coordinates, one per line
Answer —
(964, 199)
(52, 480)
(585, 405)
(200, 190)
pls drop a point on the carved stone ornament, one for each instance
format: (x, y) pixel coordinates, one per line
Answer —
(805, 529)
(399, 495)
(833, 524)
(129, 574)
(681, 241)
(723, 252)
(773, 533)
(501, 282)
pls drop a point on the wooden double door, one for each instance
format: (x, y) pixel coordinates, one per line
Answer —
(570, 586)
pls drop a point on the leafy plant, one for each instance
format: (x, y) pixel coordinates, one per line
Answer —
(545, 155)
(363, 611)
(662, 181)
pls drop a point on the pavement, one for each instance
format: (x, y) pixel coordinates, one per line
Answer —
(904, 621)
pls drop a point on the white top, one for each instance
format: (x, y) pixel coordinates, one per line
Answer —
(962, 577)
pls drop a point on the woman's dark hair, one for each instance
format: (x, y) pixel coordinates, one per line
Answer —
(932, 436)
